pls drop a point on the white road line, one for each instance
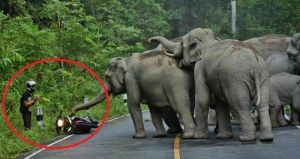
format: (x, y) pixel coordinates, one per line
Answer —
(298, 126)
(40, 150)
(35, 153)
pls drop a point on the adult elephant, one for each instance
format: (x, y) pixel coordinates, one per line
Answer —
(231, 70)
(269, 45)
(154, 79)
(272, 48)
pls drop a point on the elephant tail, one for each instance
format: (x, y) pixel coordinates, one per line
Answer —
(257, 87)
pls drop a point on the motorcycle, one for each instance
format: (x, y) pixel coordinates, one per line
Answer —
(75, 125)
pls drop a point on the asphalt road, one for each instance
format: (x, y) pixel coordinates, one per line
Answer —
(114, 142)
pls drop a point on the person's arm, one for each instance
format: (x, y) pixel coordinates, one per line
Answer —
(27, 103)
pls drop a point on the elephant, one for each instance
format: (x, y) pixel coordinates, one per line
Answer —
(294, 45)
(154, 79)
(269, 45)
(284, 89)
(234, 72)
(287, 61)
(293, 50)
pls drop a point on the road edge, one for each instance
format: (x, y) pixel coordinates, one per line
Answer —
(60, 140)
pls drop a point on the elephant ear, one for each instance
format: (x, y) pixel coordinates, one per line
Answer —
(195, 56)
(121, 70)
(195, 52)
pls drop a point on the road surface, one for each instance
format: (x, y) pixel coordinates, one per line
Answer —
(114, 142)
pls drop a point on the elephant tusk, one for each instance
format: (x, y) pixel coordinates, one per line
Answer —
(169, 54)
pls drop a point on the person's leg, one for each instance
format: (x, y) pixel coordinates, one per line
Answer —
(24, 119)
(27, 120)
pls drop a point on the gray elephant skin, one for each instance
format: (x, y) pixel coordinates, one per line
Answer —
(287, 61)
(284, 90)
(294, 45)
(272, 48)
(269, 45)
(278, 63)
(234, 72)
(154, 79)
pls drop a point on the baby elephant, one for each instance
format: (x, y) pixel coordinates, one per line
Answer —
(284, 89)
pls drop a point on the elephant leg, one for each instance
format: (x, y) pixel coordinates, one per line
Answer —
(181, 104)
(171, 119)
(295, 108)
(235, 116)
(202, 102)
(133, 101)
(263, 113)
(156, 116)
(192, 101)
(295, 117)
(238, 98)
(212, 119)
(275, 109)
(280, 118)
(224, 123)
(275, 115)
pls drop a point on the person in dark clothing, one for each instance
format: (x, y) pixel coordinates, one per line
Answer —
(27, 101)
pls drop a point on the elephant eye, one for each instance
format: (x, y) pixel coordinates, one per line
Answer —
(115, 67)
(112, 67)
(192, 46)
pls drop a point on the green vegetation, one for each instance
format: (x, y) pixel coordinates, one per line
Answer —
(254, 17)
(91, 32)
(86, 31)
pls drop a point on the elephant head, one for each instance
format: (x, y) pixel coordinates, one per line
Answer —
(114, 83)
(191, 47)
(293, 51)
(294, 45)
(114, 75)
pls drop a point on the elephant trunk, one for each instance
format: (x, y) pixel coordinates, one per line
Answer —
(174, 48)
(101, 97)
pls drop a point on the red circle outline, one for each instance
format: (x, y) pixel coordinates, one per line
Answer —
(55, 60)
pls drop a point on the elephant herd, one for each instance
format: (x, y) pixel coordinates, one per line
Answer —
(182, 78)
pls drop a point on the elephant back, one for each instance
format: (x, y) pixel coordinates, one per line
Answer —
(269, 44)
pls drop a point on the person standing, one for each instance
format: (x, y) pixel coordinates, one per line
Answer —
(27, 101)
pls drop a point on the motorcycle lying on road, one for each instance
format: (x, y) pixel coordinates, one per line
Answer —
(75, 125)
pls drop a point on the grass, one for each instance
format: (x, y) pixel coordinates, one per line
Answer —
(11, 146)
(54, 95)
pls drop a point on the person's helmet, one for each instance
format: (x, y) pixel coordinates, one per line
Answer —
(30, 86)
